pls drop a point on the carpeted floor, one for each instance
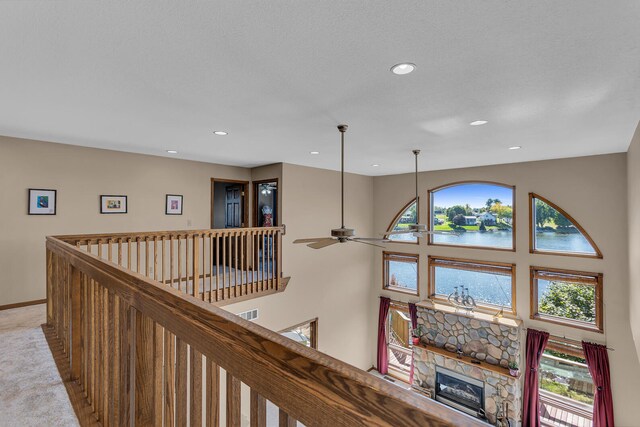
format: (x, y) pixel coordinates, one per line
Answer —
(31, 391)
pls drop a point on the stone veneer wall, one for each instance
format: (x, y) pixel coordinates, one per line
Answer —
(494, 343)
(497, 388)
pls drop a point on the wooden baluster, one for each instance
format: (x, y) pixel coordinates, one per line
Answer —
(235, 263)
(204, 267)
(195, 395)
(224, 266)
(171, 260)
(75, 332)
(218, 267)
(210, 266)
(244, 277)
(92, 343)
(169, 378)
(181, 383)
(106, 349)
(126, 350)
(158, 347)
(272, 260)
(286, 420)
(263, 270)
(179, 262)
(50, 285)
(129, 253)
(146, 257)
(196, 268)
(187, 264)
(120, 251)
(213, 394)
(155, 258)
(137, 254)
(144, 370)
(99, 248)
(258, 410)
(233, 401)
(279, 261)
(100, 353)
(114, 354)
(162, 256)
(109, 248)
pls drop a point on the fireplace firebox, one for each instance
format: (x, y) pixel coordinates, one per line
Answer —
(459, 391)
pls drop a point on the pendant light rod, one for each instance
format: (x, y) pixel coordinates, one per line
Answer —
(342, 129)
(416, 153)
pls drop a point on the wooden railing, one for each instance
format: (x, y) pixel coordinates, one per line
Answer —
(218, 266)
(139, 352)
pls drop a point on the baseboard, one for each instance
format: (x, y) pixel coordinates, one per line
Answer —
(22, 304)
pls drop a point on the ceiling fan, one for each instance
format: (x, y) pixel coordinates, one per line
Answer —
(418, 230)
(342, 234)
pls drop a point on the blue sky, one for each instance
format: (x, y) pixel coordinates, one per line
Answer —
(475, 195)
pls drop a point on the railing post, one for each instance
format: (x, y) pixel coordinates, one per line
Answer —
(278, 257)
(75, 324)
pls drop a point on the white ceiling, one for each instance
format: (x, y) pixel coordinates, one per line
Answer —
(559, 78)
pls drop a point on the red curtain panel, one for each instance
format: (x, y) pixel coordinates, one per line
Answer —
(598, 363)
(383, 357)
(413, 313)
(536, 342)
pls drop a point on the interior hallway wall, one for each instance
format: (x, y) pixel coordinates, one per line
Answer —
(591, 189)
(81, 175)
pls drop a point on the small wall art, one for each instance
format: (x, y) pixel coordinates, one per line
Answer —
(113, 204)
(173, 204)
(42, 202)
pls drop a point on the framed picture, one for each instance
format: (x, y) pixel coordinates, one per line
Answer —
(42, 202)
(174, 204)
(113, 204)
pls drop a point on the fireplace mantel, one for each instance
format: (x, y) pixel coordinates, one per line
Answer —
(466, 359)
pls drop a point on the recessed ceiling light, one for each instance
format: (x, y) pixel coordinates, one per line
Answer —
(375, 165)
(220, 132)
(479, 123)
(403, 68)
(314, 152)
(172, 152)
(515, 147)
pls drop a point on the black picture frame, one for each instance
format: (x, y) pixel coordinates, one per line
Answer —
(104, 210)
(32, 207)
(167, 210)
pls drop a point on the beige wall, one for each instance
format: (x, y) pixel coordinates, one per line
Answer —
(591, 189)
(633, 191)
(333, 284)
(80, 175)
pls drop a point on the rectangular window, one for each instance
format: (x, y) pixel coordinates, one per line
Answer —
(304, 333)
(400, 272)
(491, 285)
(569, 298)
(566, 387)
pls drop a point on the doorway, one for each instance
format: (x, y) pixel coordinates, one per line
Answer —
(265, 203)
(228, 203)
(399, 341)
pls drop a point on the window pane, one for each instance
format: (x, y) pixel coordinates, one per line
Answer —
(482, 214)
(485, 288)
(408, 217)
(555, 233)
(567, 300)
(403, 275)
(566, 376)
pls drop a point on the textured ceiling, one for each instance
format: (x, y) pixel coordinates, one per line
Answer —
(559, 78)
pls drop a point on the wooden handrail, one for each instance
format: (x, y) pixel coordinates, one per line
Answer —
(121, 330)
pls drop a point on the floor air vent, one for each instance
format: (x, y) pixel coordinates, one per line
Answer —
(249, 315)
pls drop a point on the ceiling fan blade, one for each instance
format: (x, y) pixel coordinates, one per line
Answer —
(388, 233)
(372, 239)
(366, 243)
(323, 243)
(316, 239)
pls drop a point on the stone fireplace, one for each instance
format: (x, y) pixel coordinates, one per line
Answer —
(463, 358)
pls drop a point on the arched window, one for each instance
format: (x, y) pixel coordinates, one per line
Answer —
(478, 215)
(406, 216)
(553, 231)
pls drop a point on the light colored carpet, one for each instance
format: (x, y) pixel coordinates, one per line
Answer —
(31, 391)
